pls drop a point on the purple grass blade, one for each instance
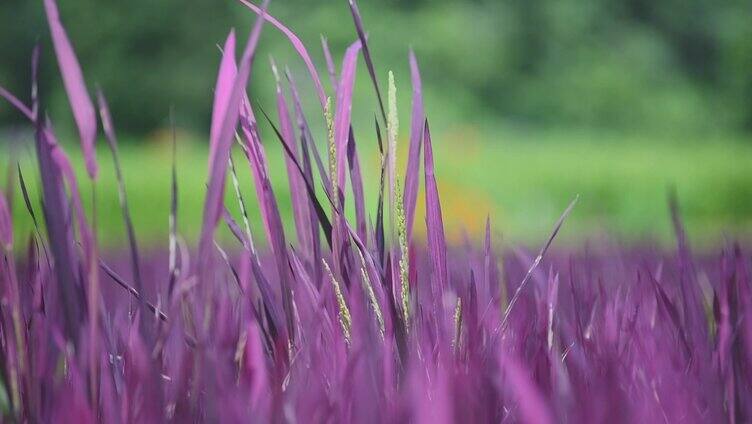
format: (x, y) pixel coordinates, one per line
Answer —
(330, 67)
(228, 69)
(367, 54)
(236, 230)
(295, 179)
(490, 275)
(267, 294)
(434, 221)
(63, 164)
(61, 245)
(687, 268)
(306, 141)
(73, 80)
(297, 44)
(29, 113)
(131, 290)
(307, 137)
(215, 190)
(537, 261)
(356, 180)
(412, 174)
(34, 82)
(16, 103)
(343, 111)
(673, 313)
(380, 242)
(530, 400)
(89, 276)
(255, 366)
(551, 302)
(249, 129)
(326, 226)
(274, 228)
(109, 130)
(173, 219)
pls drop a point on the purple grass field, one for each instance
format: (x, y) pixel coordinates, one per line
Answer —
(355, 321)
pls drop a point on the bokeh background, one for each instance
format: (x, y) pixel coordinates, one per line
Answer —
(531, 103)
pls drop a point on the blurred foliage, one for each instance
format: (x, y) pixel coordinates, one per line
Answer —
(522, 182)
(672, 66)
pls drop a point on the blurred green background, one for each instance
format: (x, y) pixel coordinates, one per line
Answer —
(531, 102)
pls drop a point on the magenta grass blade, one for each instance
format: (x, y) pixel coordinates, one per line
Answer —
(416, 137)
(109, 131)
(537, 261)
(132, 291)
(532, 405)
(490, 275)
(330, 67)
(307, 138)
(380, 242)
(34, 82)
(326, 225)
(173, 220)
(273, 221)
(434, 222)
(297, 44)
(228, 69)
(55, 203)
(295, 179)
(73, 80)
(306, 144)
(271, 303)
(356, 180)
(216, 184)
(688, 270)
(343, 111)
(16, 103)
(367, 54)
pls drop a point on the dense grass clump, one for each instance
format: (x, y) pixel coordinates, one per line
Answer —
(356, 321)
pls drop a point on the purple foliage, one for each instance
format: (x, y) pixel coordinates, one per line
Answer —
(360, 329)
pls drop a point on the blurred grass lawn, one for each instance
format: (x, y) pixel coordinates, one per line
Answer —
(522, 180)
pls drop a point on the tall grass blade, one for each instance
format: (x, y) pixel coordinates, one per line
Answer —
(330, 67)
(216, 184)
(343, 112)
(537, 261)
(434, 221)
(295, 179)
(296, 43)
(367, 54)
(109, 131)
(222, 91)
(356, 181)
(412, 173)
(73, 80)
(326, 226)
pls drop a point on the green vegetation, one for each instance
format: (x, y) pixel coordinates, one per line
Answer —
(522, 180)
(670, 66)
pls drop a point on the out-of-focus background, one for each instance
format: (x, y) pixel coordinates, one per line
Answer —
(530, 102)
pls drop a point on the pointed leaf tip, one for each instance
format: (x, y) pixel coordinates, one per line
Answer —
(225, 77)
(434, 221)
(75, 87)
